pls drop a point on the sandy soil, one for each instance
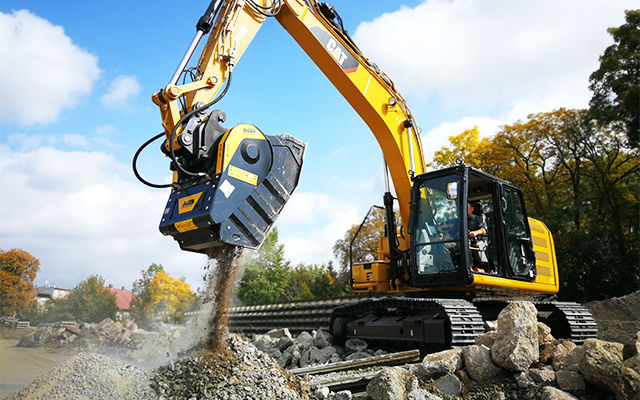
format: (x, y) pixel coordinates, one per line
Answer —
(20, 365)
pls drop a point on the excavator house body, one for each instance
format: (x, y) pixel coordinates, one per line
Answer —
(255, 176)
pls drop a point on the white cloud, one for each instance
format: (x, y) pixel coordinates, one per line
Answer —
(105, 130)
(83, 213)
(438, 137)
(503, 54)
(42, 71)
(23, 142)
(120, 90)
(311, 223)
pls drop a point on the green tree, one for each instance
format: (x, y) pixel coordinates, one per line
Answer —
(266, 274)
(18, 269)
(616, 83)
(89, 301)
(141, 303)
(309, 282)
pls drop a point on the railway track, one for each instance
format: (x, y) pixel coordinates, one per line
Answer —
(297, 316)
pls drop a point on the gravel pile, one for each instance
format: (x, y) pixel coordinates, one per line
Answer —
(89, 376)
(240, 372)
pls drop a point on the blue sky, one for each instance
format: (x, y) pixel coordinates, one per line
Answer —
(76, 81)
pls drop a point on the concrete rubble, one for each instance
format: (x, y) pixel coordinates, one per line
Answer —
(122, 339)
(536, 365)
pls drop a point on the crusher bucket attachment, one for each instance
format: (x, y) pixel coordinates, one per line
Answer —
(255, 174)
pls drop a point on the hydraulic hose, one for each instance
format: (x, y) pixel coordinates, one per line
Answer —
(135, 162)
(172, 137)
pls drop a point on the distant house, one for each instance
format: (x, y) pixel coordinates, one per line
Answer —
(123, 298)
(47, 292)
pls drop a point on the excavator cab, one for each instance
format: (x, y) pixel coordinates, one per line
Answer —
(446, 206)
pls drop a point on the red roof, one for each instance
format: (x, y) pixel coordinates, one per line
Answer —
(123, 298)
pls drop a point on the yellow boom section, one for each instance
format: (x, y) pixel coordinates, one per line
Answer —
(369, 91)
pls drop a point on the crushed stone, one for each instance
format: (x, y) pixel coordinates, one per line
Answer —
(89, 376)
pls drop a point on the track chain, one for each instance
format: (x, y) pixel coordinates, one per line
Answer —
(464, 320)
(581, 324)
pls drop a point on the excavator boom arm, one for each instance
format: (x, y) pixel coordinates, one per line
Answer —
(369, 91)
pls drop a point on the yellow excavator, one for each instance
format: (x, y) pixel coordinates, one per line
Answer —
(434, 281)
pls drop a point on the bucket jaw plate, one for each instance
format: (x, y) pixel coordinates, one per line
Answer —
(255, 175)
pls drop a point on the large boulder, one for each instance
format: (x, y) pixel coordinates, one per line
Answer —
(291, 356)
(568, 359)
(284, 343)
(555, 349)
(570, 381)
(487, 338)
(516, 345)
(314, 355)
(450, 385)
(304, 340)
(479, 364)
(279, 333)
(632, 348)
(441, 363)
(545, 374)
(524, 380)
(421, 394)
(551, 393)
(341, 395)
(321, 339)
(602, 365)
(633, 363)
(263, 342)
(355, 345)
(544, 334)
(392, 383)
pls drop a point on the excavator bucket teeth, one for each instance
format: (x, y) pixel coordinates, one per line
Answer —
(255, 176)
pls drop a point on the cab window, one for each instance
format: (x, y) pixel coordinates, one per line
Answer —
(438, 225)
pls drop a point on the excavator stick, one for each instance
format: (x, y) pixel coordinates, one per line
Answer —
(255, 175)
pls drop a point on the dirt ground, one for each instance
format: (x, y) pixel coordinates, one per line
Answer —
(618, 318)
(20, 365)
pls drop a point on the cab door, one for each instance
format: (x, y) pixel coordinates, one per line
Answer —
(519, 255)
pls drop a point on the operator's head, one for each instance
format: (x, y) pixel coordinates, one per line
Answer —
(472, 206)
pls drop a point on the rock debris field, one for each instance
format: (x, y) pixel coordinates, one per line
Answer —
(517, 359)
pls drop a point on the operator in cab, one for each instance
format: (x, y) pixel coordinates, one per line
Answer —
(475, 223)
(477, 237)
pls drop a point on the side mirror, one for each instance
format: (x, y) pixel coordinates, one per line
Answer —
(452, 190)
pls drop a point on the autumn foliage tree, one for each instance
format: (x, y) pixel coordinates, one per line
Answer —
(583, 180)
(157, 293)
(169, 296)
(18, 269)
(365, 245)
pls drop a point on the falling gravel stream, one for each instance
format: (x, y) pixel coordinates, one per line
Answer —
(220, 287)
